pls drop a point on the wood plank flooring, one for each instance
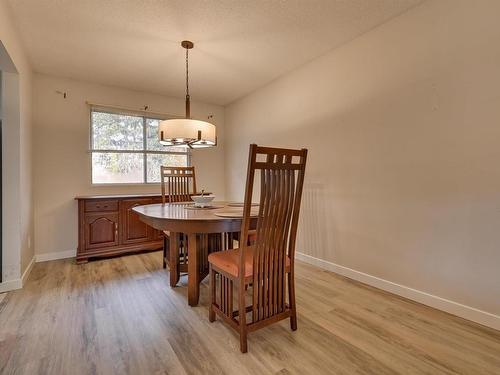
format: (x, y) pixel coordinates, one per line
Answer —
(119, 316)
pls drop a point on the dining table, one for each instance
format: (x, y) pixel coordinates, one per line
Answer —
(207, 229)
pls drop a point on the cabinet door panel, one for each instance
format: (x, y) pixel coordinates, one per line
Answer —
(101, 230)
(133, 229)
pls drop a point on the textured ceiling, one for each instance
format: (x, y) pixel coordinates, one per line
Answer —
(239, 45)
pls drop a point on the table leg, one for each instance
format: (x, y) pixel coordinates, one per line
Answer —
(174, 259)
(193, 270)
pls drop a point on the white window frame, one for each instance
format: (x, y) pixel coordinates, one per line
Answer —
(144, 151)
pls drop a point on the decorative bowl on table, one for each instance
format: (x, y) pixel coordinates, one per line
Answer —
(202, 201)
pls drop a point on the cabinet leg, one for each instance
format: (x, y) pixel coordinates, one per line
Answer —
(82, 260)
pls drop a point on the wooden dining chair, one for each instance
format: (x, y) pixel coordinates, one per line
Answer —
(177, 185)
(265, 267)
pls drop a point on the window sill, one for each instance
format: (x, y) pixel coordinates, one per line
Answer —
(123, 184)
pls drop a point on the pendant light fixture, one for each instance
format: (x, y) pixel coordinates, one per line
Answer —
(186, 131)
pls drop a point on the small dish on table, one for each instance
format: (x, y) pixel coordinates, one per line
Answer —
(202, 201)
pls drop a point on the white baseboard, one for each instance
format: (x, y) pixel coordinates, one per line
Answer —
(455, 308)
(27, 271)
(10, 285)
(45, 257)
(7, 286)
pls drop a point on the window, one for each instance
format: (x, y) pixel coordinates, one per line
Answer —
(125, 148)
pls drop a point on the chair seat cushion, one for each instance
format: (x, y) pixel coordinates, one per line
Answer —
(228, 261)
(166, 233)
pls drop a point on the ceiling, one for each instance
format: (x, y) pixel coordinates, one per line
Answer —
(239, 45)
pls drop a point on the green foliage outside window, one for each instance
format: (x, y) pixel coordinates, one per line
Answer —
(125, 149)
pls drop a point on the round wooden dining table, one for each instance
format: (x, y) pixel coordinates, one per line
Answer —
(196, 225)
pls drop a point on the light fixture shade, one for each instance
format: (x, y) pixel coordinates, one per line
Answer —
(187, 132)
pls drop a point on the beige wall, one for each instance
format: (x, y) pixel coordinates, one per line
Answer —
(17, 190)
(403, 128)
(62, 162)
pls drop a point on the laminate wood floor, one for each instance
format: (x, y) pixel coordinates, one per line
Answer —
(119, 316)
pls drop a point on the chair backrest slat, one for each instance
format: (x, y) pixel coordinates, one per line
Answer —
(281, 181)
(177, 183)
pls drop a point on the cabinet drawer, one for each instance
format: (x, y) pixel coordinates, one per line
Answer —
(157, 200)
(98, 206)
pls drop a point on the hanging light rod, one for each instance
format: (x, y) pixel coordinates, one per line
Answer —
(187, 131)
(187, 44)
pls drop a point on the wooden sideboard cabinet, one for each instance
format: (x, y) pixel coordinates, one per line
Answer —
(108, 226)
